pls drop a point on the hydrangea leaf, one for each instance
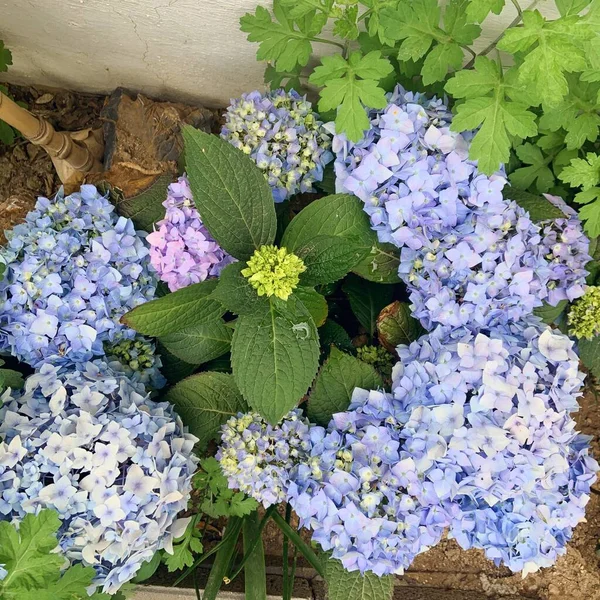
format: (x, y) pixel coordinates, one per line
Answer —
(478, 10)
(333, 334)
(283, 40)
(10, 379)
(549, 313)
(583, 172)
(275, 357)
(236, 294)
(349, 86)
(146, 208)
(589, 353)
(5, 58)
(342, 215)
(231, 193)
(205, 401)
(396, 325)
(314, 302)
(335, 383)
(344, 585)
(538, 172)
(367, 300)
(328, 258)
(7, 133)
(198, 344)
(173, 368)
(188, 306)
(148, 568)
(552, 49)
(489, 105)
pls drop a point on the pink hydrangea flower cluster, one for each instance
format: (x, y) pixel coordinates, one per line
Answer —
(182, 250)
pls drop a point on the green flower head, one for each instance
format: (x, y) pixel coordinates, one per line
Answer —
(274, 271)
(377, 356)
(584, 316)
(137, 354)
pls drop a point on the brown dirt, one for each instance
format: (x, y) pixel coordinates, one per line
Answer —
(26, 171)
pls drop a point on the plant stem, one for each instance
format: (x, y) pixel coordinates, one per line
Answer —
(324, 41)
(469, 50)
(514, 22)
(518, 7)
(286, 549)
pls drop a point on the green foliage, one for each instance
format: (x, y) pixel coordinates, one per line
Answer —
(34, 568)
(10, 378)
(188, 306)
(5, 58)
(344, 585)
(275, 356)
(184, 548)
(350, 85)
(205, 401)
(396, 325)
(231, 194)
(367, 300)
(585, 173)
(335, 383)
(199, 344)
(236, 294)
(218, 500)
(7, 133)
(314, 302)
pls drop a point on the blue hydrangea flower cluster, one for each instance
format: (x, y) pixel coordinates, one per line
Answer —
(283, 135)
(115, 465)
(72, 270)
(468, 254)
(258, 458)
(476, 438)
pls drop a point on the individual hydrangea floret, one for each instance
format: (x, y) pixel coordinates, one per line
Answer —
(181, 249)
(274, 271)
(115, 465)
(584, 314)
(72, 270)
(285, 138)
(259, 458)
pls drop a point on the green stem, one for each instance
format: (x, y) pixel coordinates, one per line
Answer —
(468, 49)
(286, 549)
(518, 7)
(365, 15)
(324, 41)
(254, 573)
(302, 546)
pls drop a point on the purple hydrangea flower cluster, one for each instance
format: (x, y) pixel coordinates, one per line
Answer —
(258, 458)
(283, 135)
(468, 254)
(475, 437)
(72, 270)
(495, 266)
(115, 465)
(182, 250)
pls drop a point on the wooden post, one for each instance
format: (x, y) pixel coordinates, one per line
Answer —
(67, 151)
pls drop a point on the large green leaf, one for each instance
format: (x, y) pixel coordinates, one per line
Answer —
(147, 208)
(314, 302)
(205, 401)
(351, 585)
(236, 294)
(589, 353)
(367, 300)
(335, 383)
(173, 367)
(231, 194)
(342, 215)
(396, 325)
(328, 258)
(188, 306)
(548, 313)
(538, 207)
(199, 343)
(274, 356)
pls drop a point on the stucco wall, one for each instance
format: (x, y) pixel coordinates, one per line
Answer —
(174, 49)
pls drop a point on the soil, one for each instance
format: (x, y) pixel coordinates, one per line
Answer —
(444, 572)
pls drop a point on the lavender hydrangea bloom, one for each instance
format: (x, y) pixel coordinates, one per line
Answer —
(283, 136)
(182, 250)
(258, 458)
(412, 172)
(72, 270)
(499, 403)
(115, 465)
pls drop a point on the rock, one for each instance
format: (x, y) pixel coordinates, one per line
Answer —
(143, 140)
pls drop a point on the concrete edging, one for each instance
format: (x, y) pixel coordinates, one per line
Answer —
(156, 592)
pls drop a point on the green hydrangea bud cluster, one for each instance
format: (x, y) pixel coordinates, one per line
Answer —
(584, 316)
(379, 358)
(274, 271)
(137, 354)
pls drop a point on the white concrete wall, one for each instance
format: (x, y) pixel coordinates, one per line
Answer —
(174, 49)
